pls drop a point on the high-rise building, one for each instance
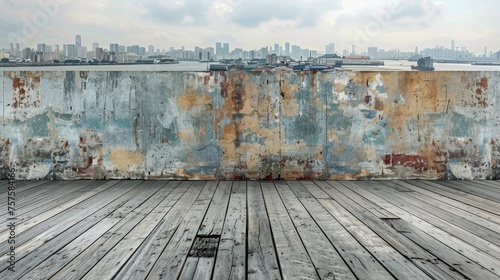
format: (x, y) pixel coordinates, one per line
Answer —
(70, 51)
(485, 51)
(12, 50)
(18, 49)
(57, 51)
(40, 48)
(81, 52)
(226, 48)
(416, 50)
(287, 49)
(353, 52)
(78, 41)
(330, 48)
(151, 50)
(276, 49)
(373, 52)
(133, 49)
(295, 51)
(218, 48)
(94, 46)
(113, 48)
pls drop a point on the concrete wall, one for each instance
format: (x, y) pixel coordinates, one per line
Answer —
(239, 125)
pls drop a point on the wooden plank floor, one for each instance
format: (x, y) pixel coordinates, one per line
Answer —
(252, 230)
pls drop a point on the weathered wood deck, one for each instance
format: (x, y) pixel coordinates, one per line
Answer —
(254, 230)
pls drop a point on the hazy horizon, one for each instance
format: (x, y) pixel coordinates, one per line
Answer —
(389, 24)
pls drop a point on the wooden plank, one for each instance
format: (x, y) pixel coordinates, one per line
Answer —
(262, 262)
(89, 256)
(403, 258)
(359, 259)
(111, 227)
(90, 229)
(445, 222)
(91, 190)
(463, 186)
(68, 214)
(455, 260)
(36, 204)
(458, 216)
(481, 258)
(481, 203)
(37, 249)
(21, 186)
(327, 261)
(201, 258)
(369, 205)
(294, 261)
(134, 256)
(230, 262)
(204, 269)
(456, 203)
(214, 219)
(41, 191)
(211, 227)
(171, 261)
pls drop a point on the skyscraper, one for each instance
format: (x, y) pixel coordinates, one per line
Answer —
(12, 50)
(218, 48)
(95, 46)
(287, 48)
(78, 41)
(330, 48)
(113, 48)
(226, 48)
(40, 48)
(373, 52)
(277, 49)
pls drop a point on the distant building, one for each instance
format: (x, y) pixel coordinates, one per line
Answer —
(218, 48)
(95, 46)
(226, 48)
(78, 41)
(40, 48)
(69, 51)
(373, 52)
(287, 48)
(330, 48)
(113, 48)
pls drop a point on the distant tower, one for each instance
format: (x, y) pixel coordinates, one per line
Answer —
(353, 52)
(485, 51)
(287, 49)
(226, 48)
(218, 48)
(95, 46)
(277, 49)
(416, 50)
(78, 41)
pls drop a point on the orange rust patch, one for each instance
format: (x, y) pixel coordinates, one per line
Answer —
(191, 99)
(124, 159)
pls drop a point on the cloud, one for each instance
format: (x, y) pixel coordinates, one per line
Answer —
(251, 14)
(187, 12)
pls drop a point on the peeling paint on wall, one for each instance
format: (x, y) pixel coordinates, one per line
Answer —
(245, 125)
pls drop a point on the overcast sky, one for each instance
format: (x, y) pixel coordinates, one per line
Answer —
(251, 24)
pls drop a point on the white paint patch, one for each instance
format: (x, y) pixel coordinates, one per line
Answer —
(38, 171)
(461, 170)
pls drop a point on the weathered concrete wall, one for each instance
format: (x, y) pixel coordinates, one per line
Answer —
(238, 125)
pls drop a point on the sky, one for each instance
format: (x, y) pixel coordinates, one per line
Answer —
(251, 24)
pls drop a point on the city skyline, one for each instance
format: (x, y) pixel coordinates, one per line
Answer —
(403, 24)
